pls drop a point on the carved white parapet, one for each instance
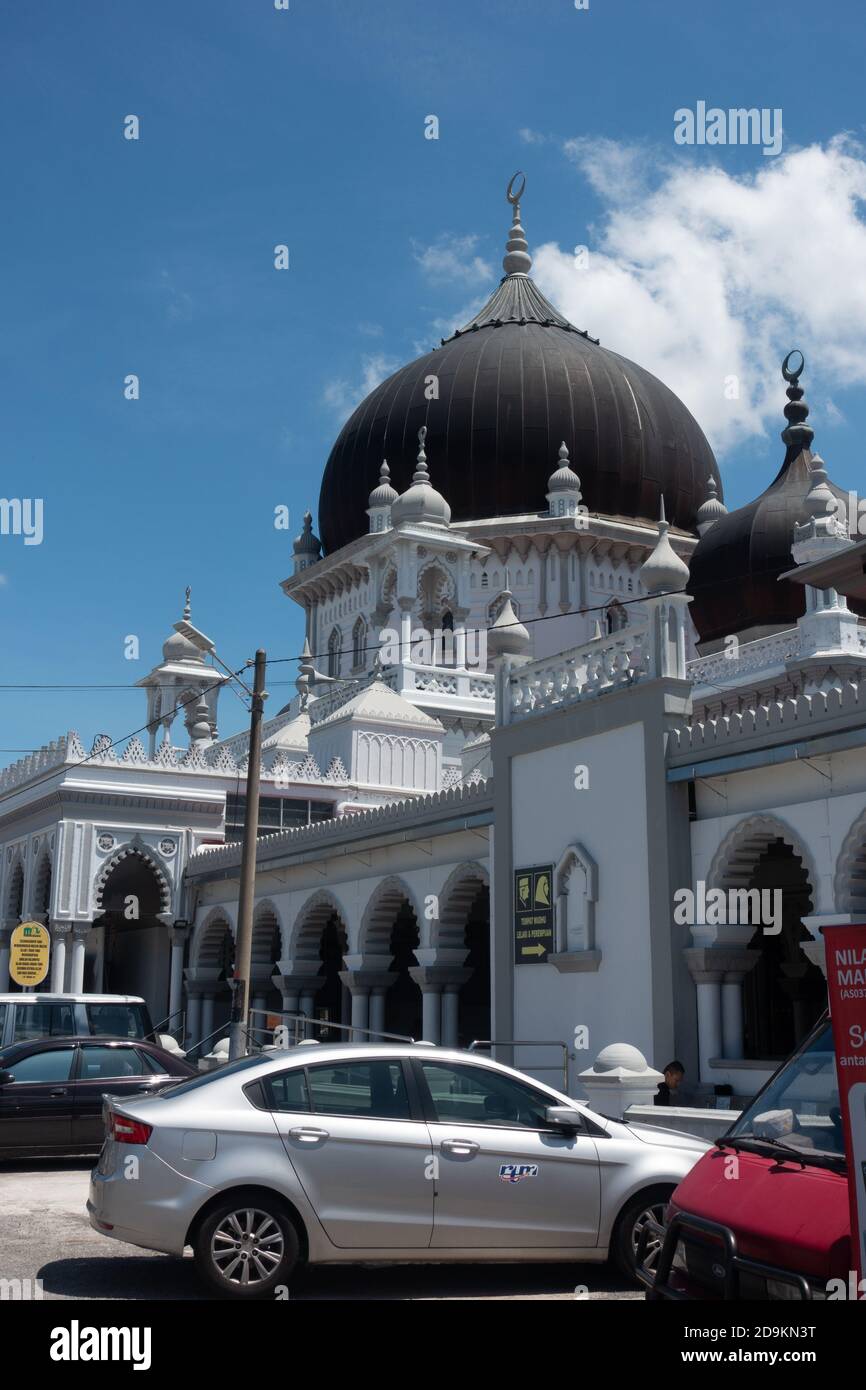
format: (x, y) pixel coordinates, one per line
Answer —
(619, 1077)
(606, 663)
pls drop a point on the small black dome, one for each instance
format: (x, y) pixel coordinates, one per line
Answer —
(511, 386)
(735, 568)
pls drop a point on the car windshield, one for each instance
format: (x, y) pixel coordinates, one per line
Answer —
(799, 1108)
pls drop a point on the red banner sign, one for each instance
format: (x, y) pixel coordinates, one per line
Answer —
(846, 986)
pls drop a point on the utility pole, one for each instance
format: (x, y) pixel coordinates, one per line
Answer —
(243, 952)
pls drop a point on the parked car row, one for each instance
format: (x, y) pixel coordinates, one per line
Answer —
(357, 1152)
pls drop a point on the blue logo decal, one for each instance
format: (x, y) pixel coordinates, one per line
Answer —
(513, 1172)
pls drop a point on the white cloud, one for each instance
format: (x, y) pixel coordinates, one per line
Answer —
(4, 579)
(452, 258)
(703, 276)
(342, 396)
(532, 137)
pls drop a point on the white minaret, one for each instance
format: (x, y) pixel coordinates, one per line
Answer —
(563, 487)
(381, 498)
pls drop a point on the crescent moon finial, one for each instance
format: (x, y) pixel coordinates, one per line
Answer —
(791, 375)
(514, 198)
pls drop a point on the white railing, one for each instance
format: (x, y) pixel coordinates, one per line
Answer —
(606, 663)
(729, 666)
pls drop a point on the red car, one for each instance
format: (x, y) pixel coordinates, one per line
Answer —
(765, 1215)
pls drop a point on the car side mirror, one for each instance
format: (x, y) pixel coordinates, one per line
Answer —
(6, 1077)
(562, 1117)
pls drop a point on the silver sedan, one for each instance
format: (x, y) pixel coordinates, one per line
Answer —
(347, 1153)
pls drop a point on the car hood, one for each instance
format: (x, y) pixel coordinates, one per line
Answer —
(669, 1138)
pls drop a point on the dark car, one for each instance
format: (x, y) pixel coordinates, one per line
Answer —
(51, 1089)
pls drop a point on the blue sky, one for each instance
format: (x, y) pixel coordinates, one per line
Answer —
(261, 127)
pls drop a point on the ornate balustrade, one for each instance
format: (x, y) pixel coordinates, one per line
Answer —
(606, 663)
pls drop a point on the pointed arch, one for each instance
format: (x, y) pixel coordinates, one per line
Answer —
(135, 849)
(13, 906)
(456, 898)
(736, 858)
(42, 882)
(849, 878)
(303, 941)
(381, 912)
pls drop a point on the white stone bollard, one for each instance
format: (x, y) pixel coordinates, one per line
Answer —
(619, 1077)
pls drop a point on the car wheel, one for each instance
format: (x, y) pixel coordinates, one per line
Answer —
(246, 1247)
(633, 1218)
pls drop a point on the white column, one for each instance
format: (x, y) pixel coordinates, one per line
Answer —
(175, 985)
(430, 1014)
(377, 1010)
(59, 932)
(5, 948)
(193, 1019)
(709, 1022)
(450, 1002)
(732, 1016)
(360, 1010)
(76, 971)
(207, 1003)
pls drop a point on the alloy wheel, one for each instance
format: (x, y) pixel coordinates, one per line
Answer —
(247, 1246)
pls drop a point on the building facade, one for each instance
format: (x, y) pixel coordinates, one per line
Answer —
(574, 759)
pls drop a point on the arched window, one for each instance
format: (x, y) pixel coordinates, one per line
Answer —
(359, 643)
(335, 641)
(615, 616)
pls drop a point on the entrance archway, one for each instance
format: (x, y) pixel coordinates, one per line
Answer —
(403, 1012)
(320, 934)
(785, 993)
(132, 950)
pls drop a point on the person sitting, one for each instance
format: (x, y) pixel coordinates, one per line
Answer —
(667, 1089)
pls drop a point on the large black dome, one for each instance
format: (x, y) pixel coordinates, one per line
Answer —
(512, 385)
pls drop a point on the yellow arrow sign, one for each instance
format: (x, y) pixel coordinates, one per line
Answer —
(532, 950)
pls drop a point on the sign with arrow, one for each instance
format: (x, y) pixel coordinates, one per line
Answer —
(533, 914)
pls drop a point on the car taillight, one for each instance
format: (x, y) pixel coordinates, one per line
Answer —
(126, 1131)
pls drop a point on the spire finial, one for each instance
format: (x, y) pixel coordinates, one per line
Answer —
(384, 472)
(421, 475)
(186, 608)
(517, 260)
(664, 525)
(797, 434)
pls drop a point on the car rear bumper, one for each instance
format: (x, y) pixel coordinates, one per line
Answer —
(145, 1202)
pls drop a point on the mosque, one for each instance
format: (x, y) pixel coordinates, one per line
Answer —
(548, 683)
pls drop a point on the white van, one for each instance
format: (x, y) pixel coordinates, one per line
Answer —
(26, 1017)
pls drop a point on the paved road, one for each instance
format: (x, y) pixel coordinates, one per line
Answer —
(45, 1234)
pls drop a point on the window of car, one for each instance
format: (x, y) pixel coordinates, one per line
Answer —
(43, 1021)
(369, 1090)
(55, 1064)
(286, 1091)
(98, 1063)
(470, 1095)
(116, 1021)
(153, 1064)
(3, 1008)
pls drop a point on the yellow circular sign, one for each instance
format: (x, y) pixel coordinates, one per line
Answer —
(28, 959)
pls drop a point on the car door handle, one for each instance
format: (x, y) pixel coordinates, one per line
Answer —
(63, 1091)
(308, 1135)
(464, 1147)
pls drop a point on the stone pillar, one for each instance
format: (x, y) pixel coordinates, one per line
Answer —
(431, 1005)
(439, 977)
(297, 981)
(450, 1004)
(5, 951)
(718, 973)
(193, 1032)
(60, 932)
(377, 1009)
(368, 984)
(360, 1011)
(177, 937)
(207, 1003)
(76, 969)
